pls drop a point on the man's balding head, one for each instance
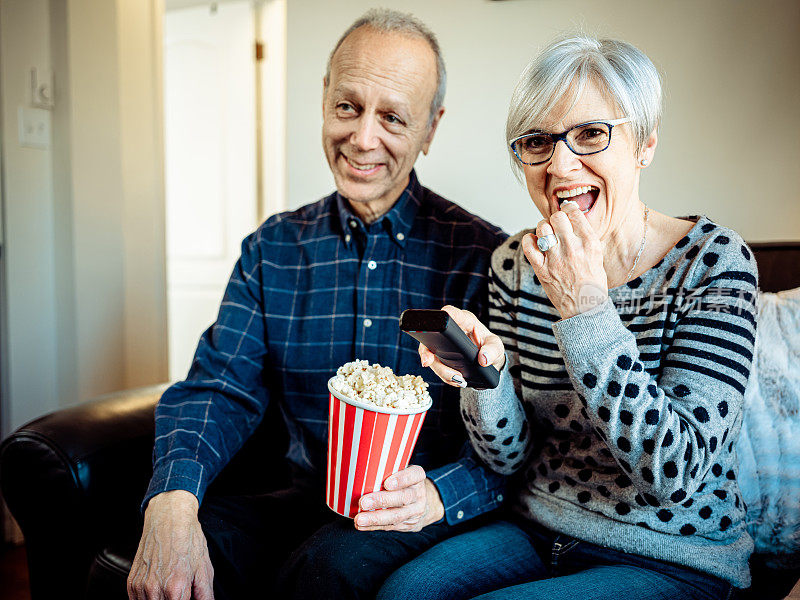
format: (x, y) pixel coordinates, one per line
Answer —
(385, 20)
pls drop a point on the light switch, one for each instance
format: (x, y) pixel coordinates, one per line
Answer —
(34, 127)
(41, 88)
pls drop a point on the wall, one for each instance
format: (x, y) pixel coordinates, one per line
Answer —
(30, 348)
(728, 146)
(84, 219)
(140, 40)
(85, 307)
(272, 29)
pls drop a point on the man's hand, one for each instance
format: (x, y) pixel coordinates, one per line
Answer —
(410, 502)
(172, 562)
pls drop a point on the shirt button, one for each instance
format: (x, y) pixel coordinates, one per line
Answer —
(367, 322)
(372, 265)
(499, 497)
(353, 224)
(460, 514)
(401, 237)
(347, 238)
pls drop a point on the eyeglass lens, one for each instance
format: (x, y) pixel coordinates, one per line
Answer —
(583, 139)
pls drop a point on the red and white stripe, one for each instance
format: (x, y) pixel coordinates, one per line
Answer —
(364, 448)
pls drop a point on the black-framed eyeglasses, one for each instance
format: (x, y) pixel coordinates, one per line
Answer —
(586, 138)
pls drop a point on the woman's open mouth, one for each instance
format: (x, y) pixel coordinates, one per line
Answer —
(585, 196)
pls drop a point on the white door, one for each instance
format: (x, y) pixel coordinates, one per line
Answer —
(210, 162)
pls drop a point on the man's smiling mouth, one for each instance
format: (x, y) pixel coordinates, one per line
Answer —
(365, 168)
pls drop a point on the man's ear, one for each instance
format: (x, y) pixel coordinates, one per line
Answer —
(432, 131)
(324, 93)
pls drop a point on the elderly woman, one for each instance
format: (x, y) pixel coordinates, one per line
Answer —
(624, 339)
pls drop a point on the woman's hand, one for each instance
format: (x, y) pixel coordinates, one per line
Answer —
(490, 348)
(571, 272)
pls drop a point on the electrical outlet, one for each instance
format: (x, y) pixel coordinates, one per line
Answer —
(34, 127)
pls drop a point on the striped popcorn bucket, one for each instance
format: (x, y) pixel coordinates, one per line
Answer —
(366, 444)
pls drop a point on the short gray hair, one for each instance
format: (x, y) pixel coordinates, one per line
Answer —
(562, 70)
(386, 20)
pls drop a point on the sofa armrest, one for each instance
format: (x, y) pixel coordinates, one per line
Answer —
(74, 479)
(98, 453)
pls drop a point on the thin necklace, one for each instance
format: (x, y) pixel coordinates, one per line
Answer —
(641, 245)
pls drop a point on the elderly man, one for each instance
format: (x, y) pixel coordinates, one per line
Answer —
(313, 289)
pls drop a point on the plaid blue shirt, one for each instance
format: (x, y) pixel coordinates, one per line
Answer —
(315, 288)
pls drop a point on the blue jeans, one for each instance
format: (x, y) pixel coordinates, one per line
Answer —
(514, 559)
(287, 544)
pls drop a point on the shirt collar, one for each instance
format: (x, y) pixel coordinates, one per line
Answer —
(397, 222)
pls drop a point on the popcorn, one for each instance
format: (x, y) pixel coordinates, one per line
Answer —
(380, 386)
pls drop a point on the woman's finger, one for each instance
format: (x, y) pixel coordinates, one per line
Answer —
(562, 226)
(426, 357)
(580, 225)
(468, 323)
(447, 374)
(532, 253)
(490, 348)
(492, 352)
(544, 228)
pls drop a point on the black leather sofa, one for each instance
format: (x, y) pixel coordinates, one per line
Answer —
(74, 479)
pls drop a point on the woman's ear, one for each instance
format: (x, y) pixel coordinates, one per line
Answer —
(649, 150)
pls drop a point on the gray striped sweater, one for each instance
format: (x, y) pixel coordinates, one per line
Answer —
(620, 424)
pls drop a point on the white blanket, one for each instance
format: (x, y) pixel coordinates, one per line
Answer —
(769, 447)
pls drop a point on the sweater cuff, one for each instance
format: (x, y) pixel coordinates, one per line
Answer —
(182, 474)
(491, 402)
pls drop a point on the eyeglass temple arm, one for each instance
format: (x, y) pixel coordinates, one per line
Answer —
(557, 135)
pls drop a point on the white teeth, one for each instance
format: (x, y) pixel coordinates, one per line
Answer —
(360, 167)
(574, 192)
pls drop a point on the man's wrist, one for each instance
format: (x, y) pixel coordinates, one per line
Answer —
(434, 503)
(175, 500)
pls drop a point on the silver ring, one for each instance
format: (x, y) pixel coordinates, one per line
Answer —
(546, 242)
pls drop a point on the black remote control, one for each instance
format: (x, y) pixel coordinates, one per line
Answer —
(450, 344)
